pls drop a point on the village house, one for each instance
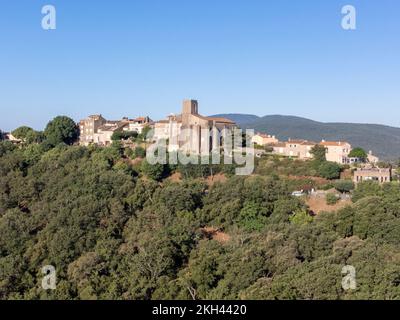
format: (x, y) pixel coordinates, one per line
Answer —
(263, 139)
(370, 173)
(104, 132)
(96, 129)
(372, 158)
(294, 148)
(137, 125)
(337, 151)
(185, 132)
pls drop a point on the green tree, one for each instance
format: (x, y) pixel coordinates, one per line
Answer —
(145, 132)
(301, 217)
(331, 199)
(153, 171)
(140, 152)
(319, 153)
(329, 170)
(22, 132)
(35, 137)
(6, 147)
(251, 217)
(358, 153)
(366, 189)
(123, 135)
(61, 130)
(344, 186)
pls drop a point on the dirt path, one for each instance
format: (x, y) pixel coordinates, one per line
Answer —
(318, 205)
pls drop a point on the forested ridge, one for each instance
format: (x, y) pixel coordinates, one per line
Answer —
(117, 229)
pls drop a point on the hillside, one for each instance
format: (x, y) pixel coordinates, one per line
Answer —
(115, 230)
(382, 140)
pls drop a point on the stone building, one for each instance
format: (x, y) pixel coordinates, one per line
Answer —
(96, 129)
(137, 124)
(104, 133)
(380, 175)
(263, 139)
(88, 127)
(191, 132)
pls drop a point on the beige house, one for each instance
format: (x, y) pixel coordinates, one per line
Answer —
(104, 133)
(263, 139)
(372, 158)
(294, 148)
(337, 151)
(137, 125)
(96, 129)
(380, 175)
(191, 132)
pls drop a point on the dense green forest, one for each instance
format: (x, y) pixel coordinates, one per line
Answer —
(117, 229)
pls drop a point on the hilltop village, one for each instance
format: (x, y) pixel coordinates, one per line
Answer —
(84, 197)
(95, 129)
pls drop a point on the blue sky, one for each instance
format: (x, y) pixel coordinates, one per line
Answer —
(130, 58)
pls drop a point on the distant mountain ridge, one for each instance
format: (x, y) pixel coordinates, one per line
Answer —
(384, 141)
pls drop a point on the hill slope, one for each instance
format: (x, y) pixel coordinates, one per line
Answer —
(384, 141)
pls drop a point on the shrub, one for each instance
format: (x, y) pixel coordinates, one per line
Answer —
(300, 217)
(123, 135)
(329, 170)
(344, 186)
(331, 199)
(140, 152)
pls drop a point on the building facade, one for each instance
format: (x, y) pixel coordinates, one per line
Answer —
(88, 127)
(381, 175)
(337, 151)
(191, 132)
(137, 124)
(96, 129)
(263, 139)
(294, 148)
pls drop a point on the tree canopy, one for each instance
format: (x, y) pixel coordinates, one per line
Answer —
(22, 132)
(117, 229)
(319, 153)
(358, 153)
(61, 130)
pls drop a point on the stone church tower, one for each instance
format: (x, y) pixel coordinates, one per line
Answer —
(200, 134)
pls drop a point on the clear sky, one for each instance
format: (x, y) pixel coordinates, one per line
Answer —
(142, 57)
